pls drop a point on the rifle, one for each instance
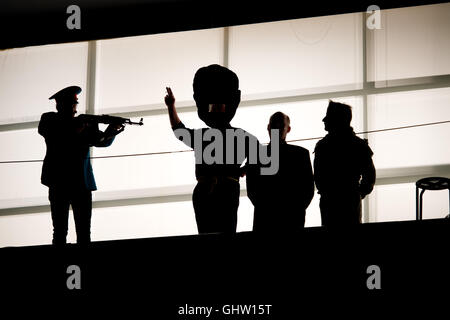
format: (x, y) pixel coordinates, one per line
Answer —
(107, 119)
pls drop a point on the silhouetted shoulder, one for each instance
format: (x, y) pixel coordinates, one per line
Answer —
(297, 150)
(48, 116)
(47, 122)
(320, 144)
(363, 145)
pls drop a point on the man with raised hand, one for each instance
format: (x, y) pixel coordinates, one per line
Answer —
(220, 149)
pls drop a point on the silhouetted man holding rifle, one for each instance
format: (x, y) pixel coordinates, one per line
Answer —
(67, 169)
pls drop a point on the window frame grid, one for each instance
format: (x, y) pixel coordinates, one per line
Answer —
(182, 193)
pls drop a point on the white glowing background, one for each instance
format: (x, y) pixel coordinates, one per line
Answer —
(293, 66)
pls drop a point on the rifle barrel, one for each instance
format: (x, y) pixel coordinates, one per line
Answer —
(140, 123)
(107, 119)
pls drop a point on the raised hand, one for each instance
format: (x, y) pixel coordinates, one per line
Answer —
(169, 99)
(114, 129)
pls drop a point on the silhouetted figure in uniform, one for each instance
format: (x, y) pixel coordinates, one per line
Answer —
(343, 169)
(216, 195)
(281, 200)
(67, 169)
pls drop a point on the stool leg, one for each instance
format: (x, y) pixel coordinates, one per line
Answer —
(421, 204)
(417, 203)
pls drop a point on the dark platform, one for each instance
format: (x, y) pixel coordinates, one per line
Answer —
(288, 272)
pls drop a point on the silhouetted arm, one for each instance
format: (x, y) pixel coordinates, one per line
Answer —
(46, 124)
(98, 138)
(252, 180)
(169, 99)
(181, 132)
(306, 180)
(318, 166)
(368, 175)
(253, 168)
(103, 139)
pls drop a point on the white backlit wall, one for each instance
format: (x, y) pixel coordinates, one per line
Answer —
(414, 42)
(415, 147)
(272, 58)
(135, 71)
(393, 77)
(30, 75)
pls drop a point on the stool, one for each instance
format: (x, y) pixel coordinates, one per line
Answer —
(430, 183)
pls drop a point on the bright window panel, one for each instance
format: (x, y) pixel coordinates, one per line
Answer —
(312, 218)
(297, 54)
(22, 144)
(21, 182)
(30, 229)
(412, 42)
(306, 119)
(245, 213)
(29, 76)
(418, 146)
(135, 71)
(156, 171)
(21, 185)
(143, 221)
(398, 203)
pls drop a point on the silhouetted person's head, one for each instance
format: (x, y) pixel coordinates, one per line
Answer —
(338, 118)
(279, 121)
(217, 95)
(67, 101)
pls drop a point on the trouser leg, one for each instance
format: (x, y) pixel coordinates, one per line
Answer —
(82, 212)
(229, 197)
(340, 210)
(59, 205)
(216, 210)
(324, 211)
(202, 202)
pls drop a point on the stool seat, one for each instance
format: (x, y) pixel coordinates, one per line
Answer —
(433, 183)
(429, 183)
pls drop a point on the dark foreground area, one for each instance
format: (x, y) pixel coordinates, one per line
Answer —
(245, 276)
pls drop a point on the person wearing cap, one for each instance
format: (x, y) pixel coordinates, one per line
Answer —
(216, 195)
(344, 172)
(280, 200)
(67, 170)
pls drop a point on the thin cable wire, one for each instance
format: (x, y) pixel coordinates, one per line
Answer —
(179, 151)
(382, 130)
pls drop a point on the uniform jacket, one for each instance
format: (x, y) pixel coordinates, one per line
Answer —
(67, 159)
